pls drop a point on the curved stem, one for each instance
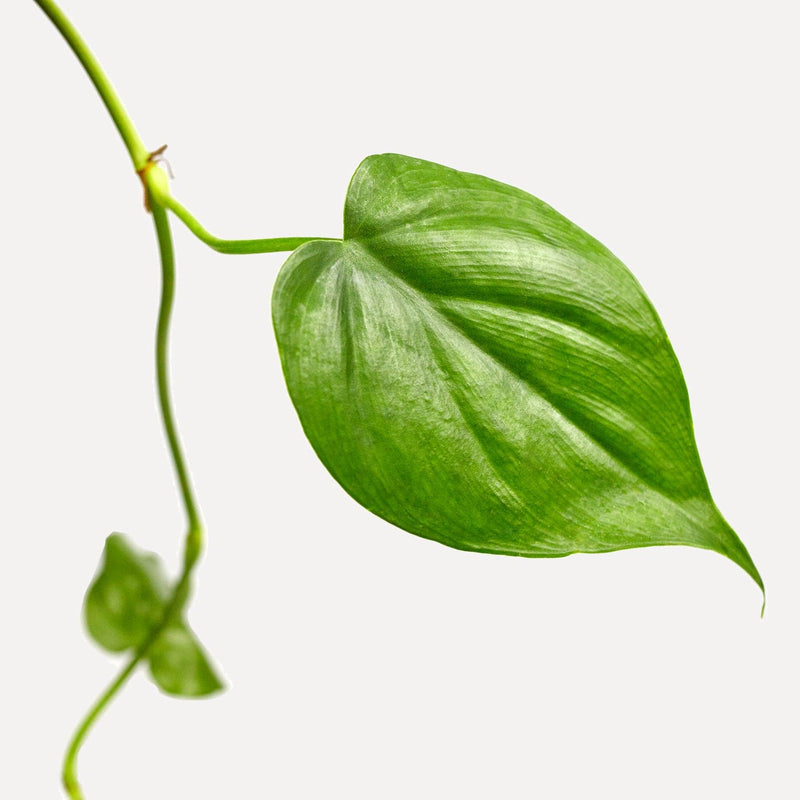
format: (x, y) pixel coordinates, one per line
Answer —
(138, 152)
(140, 155)
(159, 198)
(68, 774)
(194, 536)
(235, 246)
(162, 370)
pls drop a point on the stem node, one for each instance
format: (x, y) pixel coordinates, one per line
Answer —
(153, 158)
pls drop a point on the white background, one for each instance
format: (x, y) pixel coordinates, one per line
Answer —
(363, 662)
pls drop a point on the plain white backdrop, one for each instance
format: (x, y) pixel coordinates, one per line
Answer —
(363, 662)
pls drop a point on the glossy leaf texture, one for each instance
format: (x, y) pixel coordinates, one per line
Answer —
(476, 369)
(126, 600)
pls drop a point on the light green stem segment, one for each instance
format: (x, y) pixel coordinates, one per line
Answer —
(234, 246)
(194, 539)
(69, 772)
(153, 177)
(194, 536)
(138, 152)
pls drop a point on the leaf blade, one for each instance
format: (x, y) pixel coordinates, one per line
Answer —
(475, 369)
(127, 596)
(179, 666)
(127, 601)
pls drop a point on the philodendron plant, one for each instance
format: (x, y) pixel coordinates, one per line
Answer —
(467, 363)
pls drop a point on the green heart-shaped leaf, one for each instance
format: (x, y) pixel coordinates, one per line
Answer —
(126, 600)
(127, 597)
(179, 665)
(474, 368)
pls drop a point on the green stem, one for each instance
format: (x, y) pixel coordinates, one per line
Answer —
(162, 375)
(141, 156)
(159, 199)
(69, 773)
(235, 246)
(194, 537)
(138, 152)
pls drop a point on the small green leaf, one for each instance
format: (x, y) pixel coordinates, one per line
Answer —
(476, 369)
(127, 599)
(179, 665)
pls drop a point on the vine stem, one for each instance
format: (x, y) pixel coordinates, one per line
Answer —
(194, 537)
(69, 773)
(133, 142)
(166, 252)
(157, 200)
(156, 185)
